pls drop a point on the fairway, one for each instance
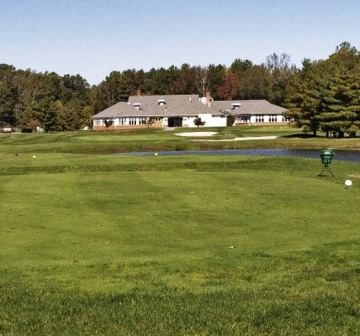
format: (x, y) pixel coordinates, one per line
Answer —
(211, 245)
(164, 140)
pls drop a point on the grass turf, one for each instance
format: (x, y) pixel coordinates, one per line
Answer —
(161, 140)
(106, 245)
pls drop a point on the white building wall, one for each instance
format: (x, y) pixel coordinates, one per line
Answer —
(188, 121)
(213, 121)
(210, 121)
(267, 118)
(98, 122)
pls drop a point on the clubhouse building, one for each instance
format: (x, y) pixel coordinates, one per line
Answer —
(182, 110)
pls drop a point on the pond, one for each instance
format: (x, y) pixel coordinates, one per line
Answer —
(342, 155)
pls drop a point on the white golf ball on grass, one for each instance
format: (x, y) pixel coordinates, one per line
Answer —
(348, 183)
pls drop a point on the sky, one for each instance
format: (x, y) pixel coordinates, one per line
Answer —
(94, 37)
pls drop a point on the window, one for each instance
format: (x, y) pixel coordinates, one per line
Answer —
(122, 121)
(97, 122)
(142, 121)
(272, 118)
(259, 118)
(132, 121)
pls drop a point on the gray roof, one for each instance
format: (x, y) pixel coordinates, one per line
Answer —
(118, 110)
(184, 105)
(260, 106)
(175, 105)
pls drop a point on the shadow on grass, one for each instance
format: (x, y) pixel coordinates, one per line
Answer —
(302, 136)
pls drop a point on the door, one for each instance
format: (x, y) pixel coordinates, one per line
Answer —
(175, 121)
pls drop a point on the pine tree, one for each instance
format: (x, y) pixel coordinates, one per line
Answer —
(326, 94)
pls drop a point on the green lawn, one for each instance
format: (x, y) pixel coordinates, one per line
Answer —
(211, 245)
(161, 140)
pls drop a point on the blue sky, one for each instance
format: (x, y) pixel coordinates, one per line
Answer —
(94, 37)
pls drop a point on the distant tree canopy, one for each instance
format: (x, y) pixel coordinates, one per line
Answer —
(323, 95)
(242, 80)
(30, 99)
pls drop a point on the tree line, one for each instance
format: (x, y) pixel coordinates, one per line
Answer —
(242, 80)
(322, 95)
(29, 99)
(325, 95)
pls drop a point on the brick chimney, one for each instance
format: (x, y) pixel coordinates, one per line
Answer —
(138, 92)
(208, 98)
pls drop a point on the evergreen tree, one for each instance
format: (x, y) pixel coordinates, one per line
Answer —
(326, 94)
(305, 102)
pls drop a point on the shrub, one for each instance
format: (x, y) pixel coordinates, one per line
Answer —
(198, 122)
(230, 119)
(26, 130)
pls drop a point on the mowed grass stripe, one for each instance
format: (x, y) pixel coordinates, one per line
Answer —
(174, 246)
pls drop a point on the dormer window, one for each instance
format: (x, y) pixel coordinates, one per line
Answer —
(235, 106)
(137, 106)
(161, 102)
